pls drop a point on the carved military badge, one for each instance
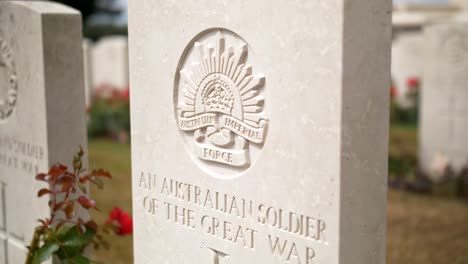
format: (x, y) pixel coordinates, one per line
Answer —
(8, 83)
(220, 105)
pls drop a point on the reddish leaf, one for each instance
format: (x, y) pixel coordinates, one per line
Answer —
(44, 222)
(84, 179)
(66, 177)
(43, 192)
(100, 173)
(67, 184)
(86, 203)
(41, 177)
(70, 209)
(57, 169)
(91, 225)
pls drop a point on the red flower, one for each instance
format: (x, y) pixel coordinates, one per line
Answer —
(122, 219)
(412, 83)
(393, 92)
(126, 93)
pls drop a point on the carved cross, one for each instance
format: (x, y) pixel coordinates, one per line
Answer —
(218, 256)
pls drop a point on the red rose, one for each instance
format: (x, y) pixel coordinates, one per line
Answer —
(412, 83)
(122, 219)
(393, 92)
(126, 93)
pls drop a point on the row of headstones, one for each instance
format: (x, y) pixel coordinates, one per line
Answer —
(438, 57)
(259, 128)
(106, 65)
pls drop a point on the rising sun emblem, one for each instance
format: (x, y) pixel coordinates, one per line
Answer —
(220, 105)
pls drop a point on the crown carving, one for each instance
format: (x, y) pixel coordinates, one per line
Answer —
(218, 97)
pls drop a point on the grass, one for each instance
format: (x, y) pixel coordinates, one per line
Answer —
(403, 151)
(426, 230)
(114, 157)
(421, 229)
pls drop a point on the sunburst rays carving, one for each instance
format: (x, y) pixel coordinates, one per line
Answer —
(232, 64)
(221, 102)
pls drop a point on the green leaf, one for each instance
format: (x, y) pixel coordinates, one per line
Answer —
(80, 260)
(45, 252)
(68, 252)
(74, 239)
(77, 260)
(99, 183)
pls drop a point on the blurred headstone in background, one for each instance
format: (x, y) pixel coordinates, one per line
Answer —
(42, 111)
(444, 107)
(407, 63)
(462, 17)
(413, 16)
(110, 62)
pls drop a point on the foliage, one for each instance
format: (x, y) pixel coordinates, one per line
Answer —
(406, 113)
(109, 114)
(65, 235)
(403, 159)
(105, 153)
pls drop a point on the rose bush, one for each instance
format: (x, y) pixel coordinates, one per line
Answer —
(65, 235)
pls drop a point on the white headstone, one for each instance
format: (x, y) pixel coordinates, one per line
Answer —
(444, 111)
(462, 17)
(42, 117)
(110, 62)
(88, 70)
(260, 131)
(407, 61)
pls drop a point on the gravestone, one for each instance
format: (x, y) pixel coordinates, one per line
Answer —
(444, 111)
(88, 70)
(110, 62)
(260, 131)
(462, 17)
(42, 117)
(407, 55)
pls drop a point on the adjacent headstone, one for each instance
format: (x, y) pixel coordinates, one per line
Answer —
(444, 111)
(110, 62)
(42, 117)
(88, 70)
(407, 62)
(260, 131)
(462, 17)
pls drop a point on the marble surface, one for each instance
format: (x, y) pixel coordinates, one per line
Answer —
(314, 187)
(408, 53)
(42, 114)
(110, 62)
(443, 122)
